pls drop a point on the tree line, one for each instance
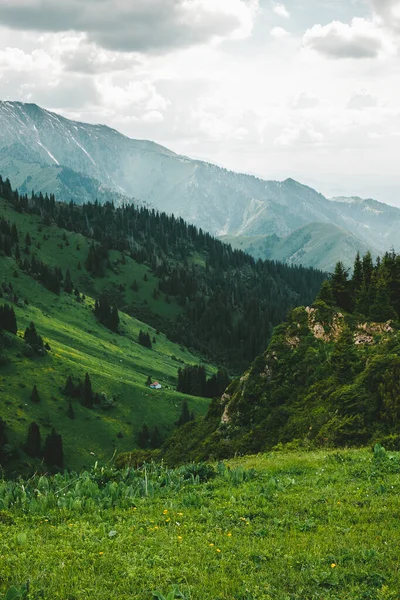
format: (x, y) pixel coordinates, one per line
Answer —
(230, 302)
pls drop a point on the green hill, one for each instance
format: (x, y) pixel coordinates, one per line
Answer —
(329, 377)
(117, 364)
(318, 245)
(172, 286)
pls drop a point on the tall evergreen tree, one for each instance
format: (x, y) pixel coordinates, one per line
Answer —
(87, 392)
(53, 450)
(344, 358)
(341, 289)
(143, 438)
(33, 446)
(35, 395)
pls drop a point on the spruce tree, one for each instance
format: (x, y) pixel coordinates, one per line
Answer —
(156, 439)
(143, 438)
(344, 358)
(69, 389)
(184, 416)
(68, 285)
(341, 289)
(382, 309)
(33, 442)
(70, 412)
(53, 450)
(35, 394)
(87, 392)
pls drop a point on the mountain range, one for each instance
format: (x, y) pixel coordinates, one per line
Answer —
(44, 151)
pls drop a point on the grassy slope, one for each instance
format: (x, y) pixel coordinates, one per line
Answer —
(117, 364)
(320, 526)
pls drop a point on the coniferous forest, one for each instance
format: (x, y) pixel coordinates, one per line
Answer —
(330, 376)
(229, 302)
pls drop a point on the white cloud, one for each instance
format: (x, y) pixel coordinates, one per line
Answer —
(361, 100)
(279, 32)
(362, 38)
(281, 11)
(304, 101)
(302, 134)
(136, 26)
(135, 95)
(389, 12)
(154, 116)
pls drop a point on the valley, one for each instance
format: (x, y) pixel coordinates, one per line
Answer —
(46, 152)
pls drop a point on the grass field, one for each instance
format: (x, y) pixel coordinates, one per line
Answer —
(116, 363)
(282, 526)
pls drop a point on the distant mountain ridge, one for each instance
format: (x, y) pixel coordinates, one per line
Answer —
(45, 151)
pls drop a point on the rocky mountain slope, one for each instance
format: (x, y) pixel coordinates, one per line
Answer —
(42, 150)
(330, 376)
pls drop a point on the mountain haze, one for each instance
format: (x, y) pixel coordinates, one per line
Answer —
(45, 151)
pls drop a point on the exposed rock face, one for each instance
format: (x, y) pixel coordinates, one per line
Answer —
(365, 332)
(326, 332)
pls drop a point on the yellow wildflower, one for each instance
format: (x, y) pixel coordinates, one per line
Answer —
(333, 565)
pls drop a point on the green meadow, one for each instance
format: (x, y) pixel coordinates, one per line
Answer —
(117, 364)
(282, 526)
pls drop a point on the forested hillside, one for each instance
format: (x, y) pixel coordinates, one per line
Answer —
(227, 303)
(330, 376)
(91, 299)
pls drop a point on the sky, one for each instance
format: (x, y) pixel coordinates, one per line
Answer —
(308, 89)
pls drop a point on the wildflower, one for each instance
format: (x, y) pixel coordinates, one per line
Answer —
(333, 565)
(180, 514)
(229, 534)
(167, 520)
(218, 550)
(101, 553)
(211, 545)
(165, 512)
(156, 527)
(180, 538)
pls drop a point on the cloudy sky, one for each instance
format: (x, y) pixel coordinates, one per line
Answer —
(308, 89)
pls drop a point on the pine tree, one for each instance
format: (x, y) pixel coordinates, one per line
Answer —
(344, 358)
(156, 439)
(32, 338)
(35, 394)
(8, 320)
(87, 392)
(70, 412)
(53, 450)
(69, 389)
(184, 416)
(382, 309)
(357, 278)
(33, 442)
(143, 438)
(68, 285)
(341, 291)
(325, 293)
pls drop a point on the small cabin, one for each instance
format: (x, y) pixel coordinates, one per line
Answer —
(156, 386)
